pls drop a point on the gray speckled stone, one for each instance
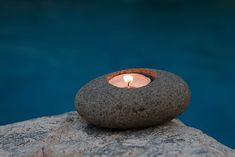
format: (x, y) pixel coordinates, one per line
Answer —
(105, 105)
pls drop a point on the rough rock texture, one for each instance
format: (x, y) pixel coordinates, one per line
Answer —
(68, 135)
(103, 104)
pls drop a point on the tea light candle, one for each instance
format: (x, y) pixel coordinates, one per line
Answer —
(130, 80)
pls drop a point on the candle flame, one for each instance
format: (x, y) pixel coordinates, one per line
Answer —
(128, 78)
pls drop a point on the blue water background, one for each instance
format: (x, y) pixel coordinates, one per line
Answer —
(49, 49)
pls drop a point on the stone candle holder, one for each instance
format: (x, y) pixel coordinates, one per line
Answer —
(105, 105)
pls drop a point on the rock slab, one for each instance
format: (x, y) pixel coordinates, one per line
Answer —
(69, 135)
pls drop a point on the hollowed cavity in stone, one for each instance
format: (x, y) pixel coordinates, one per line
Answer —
(131, 78)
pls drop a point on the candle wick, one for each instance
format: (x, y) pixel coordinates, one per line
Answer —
(128, 84)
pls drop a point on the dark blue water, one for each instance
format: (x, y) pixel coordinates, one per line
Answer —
(48, 50)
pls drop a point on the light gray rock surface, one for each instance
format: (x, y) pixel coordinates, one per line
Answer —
(69, 135)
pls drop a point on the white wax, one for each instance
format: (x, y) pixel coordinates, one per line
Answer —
(139, 80)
